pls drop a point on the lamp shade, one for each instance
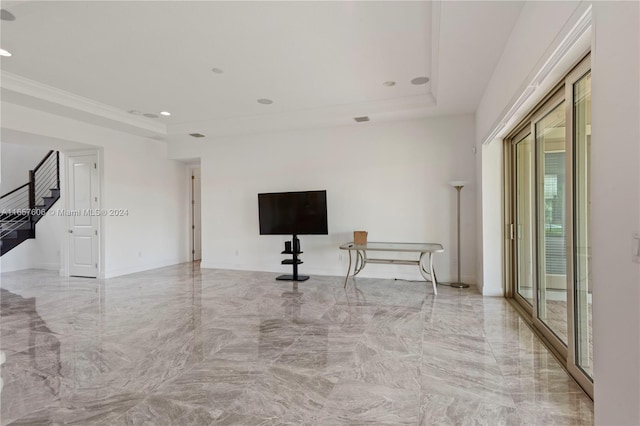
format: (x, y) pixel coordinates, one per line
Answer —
(455, 183)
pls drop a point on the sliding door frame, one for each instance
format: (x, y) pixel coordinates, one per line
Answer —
(552, 103)
(511, 226)
(581, 70)
(562, 92)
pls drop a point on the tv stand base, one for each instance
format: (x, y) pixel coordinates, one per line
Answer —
(292, 278)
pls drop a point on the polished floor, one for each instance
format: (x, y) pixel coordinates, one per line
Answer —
(183, 346)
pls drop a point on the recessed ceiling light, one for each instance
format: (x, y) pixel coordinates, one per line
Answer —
(196, 135)
(265, 101)
(4, 52)
(217, 70)
(5, 15)
(361, 119)
(165, 113)
(389, 83)
(149, 115)
(420, 80)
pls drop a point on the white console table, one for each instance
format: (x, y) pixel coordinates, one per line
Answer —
(425, 261)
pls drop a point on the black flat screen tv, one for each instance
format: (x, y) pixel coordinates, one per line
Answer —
(293, 213)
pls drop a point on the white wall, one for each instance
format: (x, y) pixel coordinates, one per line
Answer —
(615, 180)
(616, 211)
(136, 176)
(492, 220)
(389, 179)
(17, 160)
(528, 47)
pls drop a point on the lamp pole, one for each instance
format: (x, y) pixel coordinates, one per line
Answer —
(458, 185)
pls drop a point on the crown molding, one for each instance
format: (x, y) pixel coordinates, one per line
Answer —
(30, 94)
(37, 90)
(579, 25)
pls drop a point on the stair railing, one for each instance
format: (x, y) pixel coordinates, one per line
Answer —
(11, 203)
(44, 178)
(17, 207)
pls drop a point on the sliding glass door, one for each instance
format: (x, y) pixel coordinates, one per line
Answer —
(524, 217)
(582, 292)
(551, 193)
(549, 221)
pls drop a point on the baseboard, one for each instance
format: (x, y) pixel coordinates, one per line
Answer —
(47, 266)
(491, 292)
(375, 271)
(112, 273)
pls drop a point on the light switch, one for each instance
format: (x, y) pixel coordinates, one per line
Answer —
(635, 247)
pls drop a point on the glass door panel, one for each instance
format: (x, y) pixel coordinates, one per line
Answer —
(551, 220)
(583, 285)
(549, 215)
(524, 218)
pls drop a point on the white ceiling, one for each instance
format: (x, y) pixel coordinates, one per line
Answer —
(322, 63)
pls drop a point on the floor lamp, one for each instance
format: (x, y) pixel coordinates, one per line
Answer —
(458, 185)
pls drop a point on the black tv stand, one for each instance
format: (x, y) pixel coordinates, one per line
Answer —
(294, 252)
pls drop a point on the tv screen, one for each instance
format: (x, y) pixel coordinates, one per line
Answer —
(289, 213)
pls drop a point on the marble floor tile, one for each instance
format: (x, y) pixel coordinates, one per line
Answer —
(158, 411)
(287, 394)
(321, 350)
(349, 317)
(214, 384)
(390, 372)
(473, 381)
(449, 410)
(185, 346)
(90, 407)
(359, 403)
(555, 408)
(399, 321)
(454, 350)
(450, 323)
(380, 346)
(541, 383)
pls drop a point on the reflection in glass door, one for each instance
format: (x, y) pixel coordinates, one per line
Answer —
(552, 264)
(524, 218)
(581, 220)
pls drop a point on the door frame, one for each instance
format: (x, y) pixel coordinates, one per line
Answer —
(572, 362)
(512, 234)
(556, 99)
(67, 155)
(563, 91)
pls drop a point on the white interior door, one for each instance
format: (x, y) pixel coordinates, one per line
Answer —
(196, 222)
(83, 222)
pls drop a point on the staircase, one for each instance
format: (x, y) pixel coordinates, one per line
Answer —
(22, 208)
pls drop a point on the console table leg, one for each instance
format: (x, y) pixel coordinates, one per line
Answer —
(425, 272)
(433, 274)
(348, 270)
